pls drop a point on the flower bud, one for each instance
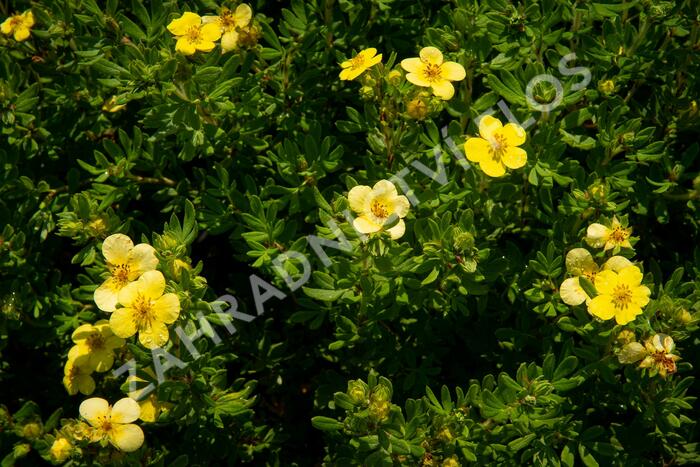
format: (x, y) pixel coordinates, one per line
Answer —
(606, 87)
(61, 449)
(394, 77)
(357, 391)
(366, 93)
(417, 109)
(31, 430)
(451, 462)
(625, 337)
(179, 266)
(379, 410)
(21, 450)
(464, 241)
(381, 393)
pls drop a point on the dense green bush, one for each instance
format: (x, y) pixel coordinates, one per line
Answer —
(383, 232)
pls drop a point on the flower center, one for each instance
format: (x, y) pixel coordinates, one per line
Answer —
(194, 35)
(379, 209)
(95, 341)
(121, 274)
(15, 21)
(105, 423)
(358, 61)
(619, 235)
(498, 147)
(143, 309)
(590, 275)
(621, 296)
(431, 72)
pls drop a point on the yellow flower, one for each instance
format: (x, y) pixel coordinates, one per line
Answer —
(579, 262)
(150, 406)
(430, 71)
(229, 23)
(599, 235)
(378, 206)
(659, 357)
(497, 147)
(95, 346)
(61, 449)
(18, 25)
(126, 263)
(146, 310)
(77, 379)
(621, 295)
(114, 423)
(192, 35)
(359, 63)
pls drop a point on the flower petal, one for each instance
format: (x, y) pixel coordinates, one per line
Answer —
(167, 308)
(181, 25)
(431, 55)
(365, 226)
(243, 15)
(126, 438)
(384, 188)
(141, 258)
(93, 409)
(443, 89)
(205, 46)
(488, 126)
(116, 248)
(6, 27)
(106, 295)
(597, 235)
(211, 19)
(210, 32)
(400, 206)
(632, 353)
(151, 284)
(418, 80)
(452, 71)
(359, 197)
(514, 158)
(601, 307)
(628, 314)
(491, 167)
(123, 322)
(154, 335)
(514, 134)
(412, 65)
(229, 41)
(605, 282)
(631, 275)
(617, 263)
(185, 46)
(21, 33)
(477, 149)
(398, 230)
(571, 292)
(83, 332)
(579, 261)
(126, 410)
(128, 295)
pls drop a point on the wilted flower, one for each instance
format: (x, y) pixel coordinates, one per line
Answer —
(192, 35)
(660, 358)
(429, 70)
(19, 26)
(497, 147)
(126, 263)
(359, 63)
(377, 206)
(599, 235)
(621, 295)
(146, 310)
(114, 423)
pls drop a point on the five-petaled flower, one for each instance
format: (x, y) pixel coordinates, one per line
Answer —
(113, 423)
(94, 346)
(497, 147)
(599, 235)
(230, 23)
(359, 63)
(378, 206)
(126, 263)
(579, 262)
(429, 70)
(18, 25)
(146, 310)
(192, 35)
(620, 295)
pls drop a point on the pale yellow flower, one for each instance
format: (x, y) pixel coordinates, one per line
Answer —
(599, 235)
(230, 24)
(114, 423)
(497, 147)
(126, 263)
(95, 346)
(146, 310)
(192, 35)
(621, 295)
(18, 25)
(429, 70)
(359, 63)
(579, 262)
(378, 206)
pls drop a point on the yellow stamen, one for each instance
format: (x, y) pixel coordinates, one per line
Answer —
(431, 72)
(379, 209)
(621, 296)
